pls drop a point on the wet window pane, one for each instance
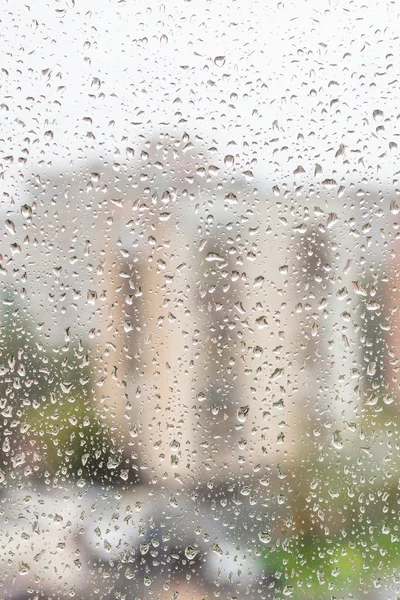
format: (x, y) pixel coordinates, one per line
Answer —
(199, 300)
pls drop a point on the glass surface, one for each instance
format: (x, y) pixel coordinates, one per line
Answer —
(199, 300)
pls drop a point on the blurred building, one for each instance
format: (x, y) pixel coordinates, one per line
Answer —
(236, 337)
(220, 315)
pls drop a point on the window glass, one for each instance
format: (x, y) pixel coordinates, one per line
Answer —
(199, 300)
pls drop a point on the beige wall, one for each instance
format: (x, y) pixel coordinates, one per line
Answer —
(242, 327)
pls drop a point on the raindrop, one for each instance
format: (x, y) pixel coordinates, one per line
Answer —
(191, 552)
(219, 61)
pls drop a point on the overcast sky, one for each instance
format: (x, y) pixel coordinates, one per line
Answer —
(288, 82)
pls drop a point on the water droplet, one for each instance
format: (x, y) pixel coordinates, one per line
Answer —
(242, 413)
(191, 552)
(219, 61)
(264, 537)
(337, 440)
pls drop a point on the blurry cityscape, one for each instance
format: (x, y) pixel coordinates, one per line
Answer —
(199, 383)
(199, 300)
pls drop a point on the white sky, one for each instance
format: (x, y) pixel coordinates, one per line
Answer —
(111, 61)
